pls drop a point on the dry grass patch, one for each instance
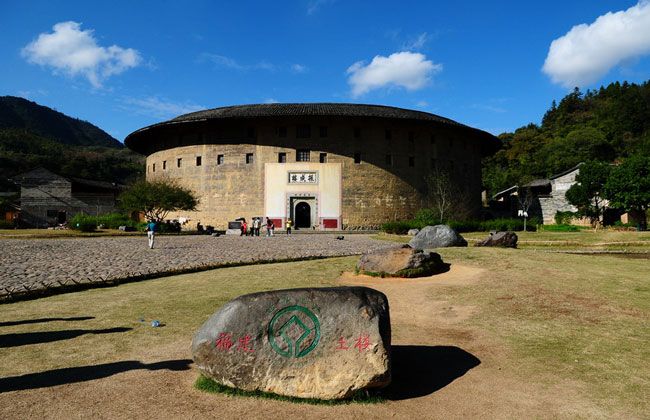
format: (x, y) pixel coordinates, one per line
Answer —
(557, 335)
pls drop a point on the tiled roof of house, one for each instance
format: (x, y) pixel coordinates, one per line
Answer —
(135, 139)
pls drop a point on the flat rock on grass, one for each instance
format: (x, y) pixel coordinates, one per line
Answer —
(323, 343)
(504, 239)
(403, 261)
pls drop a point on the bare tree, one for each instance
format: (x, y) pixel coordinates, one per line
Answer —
(446, 197)
(525, 199)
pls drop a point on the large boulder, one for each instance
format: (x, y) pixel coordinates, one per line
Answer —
(506, 239)
(321, 343)
(413, 232)
(402, 261)
(439, 236)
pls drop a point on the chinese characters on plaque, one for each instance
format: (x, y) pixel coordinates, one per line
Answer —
(303, 177)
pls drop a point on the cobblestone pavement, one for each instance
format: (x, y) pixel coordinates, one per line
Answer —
(35, 263)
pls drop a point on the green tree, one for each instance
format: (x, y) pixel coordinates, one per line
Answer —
(628, 186)
(586, 193)
(155, 199)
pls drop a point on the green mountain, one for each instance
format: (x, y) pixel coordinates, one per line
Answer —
(19, 113)
(33, 135)
(607, 125)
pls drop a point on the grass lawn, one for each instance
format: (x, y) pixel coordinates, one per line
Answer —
(573, 321)
(60, 233)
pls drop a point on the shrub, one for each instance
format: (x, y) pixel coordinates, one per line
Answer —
(6, 224)
(401, 228)
(618, 223)
(560, 228)
(83, 222)
(114, 220)
(564, 217)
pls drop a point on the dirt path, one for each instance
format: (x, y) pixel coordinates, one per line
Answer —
(442, 369)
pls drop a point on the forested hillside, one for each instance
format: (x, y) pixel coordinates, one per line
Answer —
(32, 135)
(608, 124)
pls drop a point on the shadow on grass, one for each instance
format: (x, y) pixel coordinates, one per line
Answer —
(84, 373)
(23, 339)
(422, 370)
(39, 320)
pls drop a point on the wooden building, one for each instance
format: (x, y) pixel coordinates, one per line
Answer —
(48, 199)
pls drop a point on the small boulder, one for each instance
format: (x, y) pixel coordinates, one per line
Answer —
(505, 239)
(439, 236)
(323, 343)
(413, 232)
(401, 262)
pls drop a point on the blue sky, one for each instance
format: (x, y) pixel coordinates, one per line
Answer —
(491, 65)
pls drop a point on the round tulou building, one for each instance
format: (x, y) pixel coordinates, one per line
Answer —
(326, 166)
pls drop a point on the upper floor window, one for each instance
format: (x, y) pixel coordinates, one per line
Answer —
(302, 155)
(323, 131)
(282, 157)
(198, 161)
(357, 158)
(323, 158)
(164, 165)
(249, 158)
(219, 159)
(303, 131)
(153, 168)
(282, 131)
(179, 162)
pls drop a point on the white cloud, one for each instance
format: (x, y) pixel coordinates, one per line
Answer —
(406, 69)
(160, 108)
(587, 52)
(299, 68)
(271, 101)
(422, 104)
(227, 62)
(72, 51)
(417, 43)
(314, 5)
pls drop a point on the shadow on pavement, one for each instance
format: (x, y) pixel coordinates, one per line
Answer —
(23, 339)
(422, 370)
(84, 373)
(36, 321)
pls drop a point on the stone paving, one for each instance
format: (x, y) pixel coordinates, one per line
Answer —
(36, 263)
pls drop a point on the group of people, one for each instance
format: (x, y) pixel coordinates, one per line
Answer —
(254, 229)
(256, 224)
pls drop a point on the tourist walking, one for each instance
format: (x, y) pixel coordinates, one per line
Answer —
(151, 232)
(289, 223)
(269, 227)
(244, 228)
(256, 226)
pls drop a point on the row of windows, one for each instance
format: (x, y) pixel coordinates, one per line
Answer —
(304, 155)
(303, 131)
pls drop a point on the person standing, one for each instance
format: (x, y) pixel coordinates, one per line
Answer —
(289, 223)
(151, 233)
(256, 225)
(244, 228)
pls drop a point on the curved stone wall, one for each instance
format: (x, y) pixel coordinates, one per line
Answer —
(383, 164)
